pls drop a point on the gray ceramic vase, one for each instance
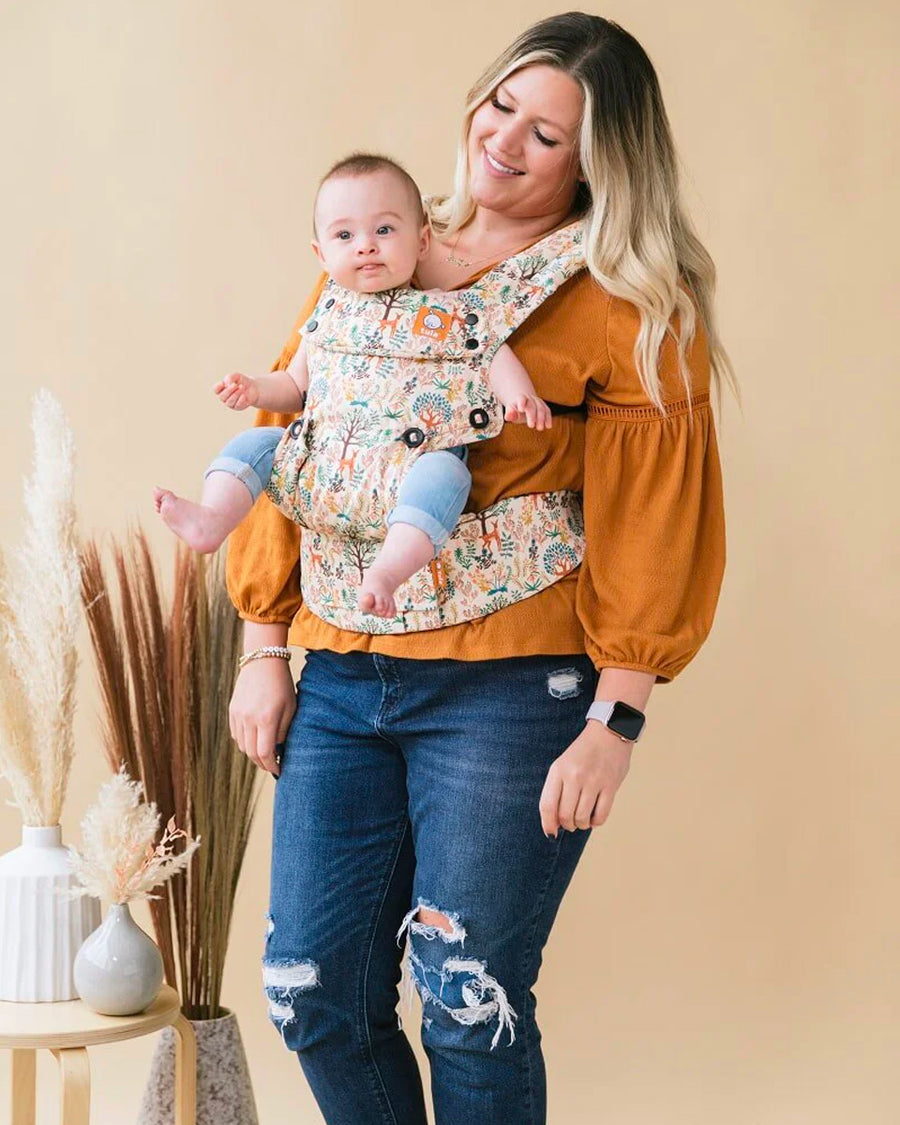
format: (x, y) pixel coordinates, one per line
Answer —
(118, 970)
(224, 1092)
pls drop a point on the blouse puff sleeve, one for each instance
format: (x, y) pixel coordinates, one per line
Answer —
(262, 566)
(653, 507)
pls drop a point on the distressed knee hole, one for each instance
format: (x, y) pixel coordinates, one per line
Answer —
(426, 920)
(283, 982)
(434, 918)
(463, 991)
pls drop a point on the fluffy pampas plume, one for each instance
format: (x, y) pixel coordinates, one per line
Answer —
(119, 860)
(39, 613)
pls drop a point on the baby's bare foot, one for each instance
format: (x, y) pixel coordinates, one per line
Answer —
(203, 529)
(376, 595)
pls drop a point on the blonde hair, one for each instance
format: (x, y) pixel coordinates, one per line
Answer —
(639, 243)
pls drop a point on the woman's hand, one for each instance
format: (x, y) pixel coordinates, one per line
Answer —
(582, 782)
(262, 706)
(237, 391)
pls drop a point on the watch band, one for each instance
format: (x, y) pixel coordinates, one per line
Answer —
(602, 710)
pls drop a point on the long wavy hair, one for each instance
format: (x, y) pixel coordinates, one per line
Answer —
(639, 242)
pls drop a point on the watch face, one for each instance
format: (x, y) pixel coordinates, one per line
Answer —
(626, 721)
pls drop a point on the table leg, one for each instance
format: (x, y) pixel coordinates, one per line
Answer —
(23, 1086)
(75, 1085)
(185, 1072)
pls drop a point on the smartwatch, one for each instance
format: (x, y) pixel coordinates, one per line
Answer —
(621, 718)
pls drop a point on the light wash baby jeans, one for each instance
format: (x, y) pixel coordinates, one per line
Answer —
(431, 497)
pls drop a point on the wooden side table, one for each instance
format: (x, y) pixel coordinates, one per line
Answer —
(68, 1028)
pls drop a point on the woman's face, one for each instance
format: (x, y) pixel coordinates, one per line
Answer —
(523, 144)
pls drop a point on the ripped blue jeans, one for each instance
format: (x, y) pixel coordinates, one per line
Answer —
(410, 784)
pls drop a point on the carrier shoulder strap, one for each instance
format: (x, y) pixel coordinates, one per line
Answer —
(470, 323)
(510, 292)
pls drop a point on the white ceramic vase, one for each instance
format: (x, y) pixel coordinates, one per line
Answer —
(224, 1091)
(41, 928)
(119, 968)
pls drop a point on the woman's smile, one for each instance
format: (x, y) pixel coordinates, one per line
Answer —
(498, 167)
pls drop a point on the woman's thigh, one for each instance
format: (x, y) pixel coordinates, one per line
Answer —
(342, 861)
(479, 740)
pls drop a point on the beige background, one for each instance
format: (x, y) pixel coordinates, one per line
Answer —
(728, 950)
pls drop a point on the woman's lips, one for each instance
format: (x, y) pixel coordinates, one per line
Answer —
(495, 171)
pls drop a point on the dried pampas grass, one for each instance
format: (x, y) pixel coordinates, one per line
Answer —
(39, 612)
(166, 675)
(120, 860)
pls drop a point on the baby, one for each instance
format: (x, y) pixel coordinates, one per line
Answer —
(370, 233)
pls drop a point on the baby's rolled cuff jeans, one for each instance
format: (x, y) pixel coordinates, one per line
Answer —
(431, 497)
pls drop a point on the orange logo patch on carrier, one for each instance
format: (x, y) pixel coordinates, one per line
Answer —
(433, 323)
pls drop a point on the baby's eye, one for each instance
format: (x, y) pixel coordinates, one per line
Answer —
(343, 235)
(385, 228)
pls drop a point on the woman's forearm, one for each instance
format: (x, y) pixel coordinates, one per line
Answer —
(626, 684)
(264, 635)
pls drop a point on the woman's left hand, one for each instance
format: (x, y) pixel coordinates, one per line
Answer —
(582, 783)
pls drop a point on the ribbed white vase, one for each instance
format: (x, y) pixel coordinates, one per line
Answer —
(41, 929)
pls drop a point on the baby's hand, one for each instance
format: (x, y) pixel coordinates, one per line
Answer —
(530, 409)
(237, 391)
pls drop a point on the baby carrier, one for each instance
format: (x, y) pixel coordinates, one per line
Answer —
(393, 375)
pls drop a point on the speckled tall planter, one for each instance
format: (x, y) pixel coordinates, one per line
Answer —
(224, 1092)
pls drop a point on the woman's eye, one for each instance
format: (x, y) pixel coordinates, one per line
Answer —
(508, 109)
(386, 229)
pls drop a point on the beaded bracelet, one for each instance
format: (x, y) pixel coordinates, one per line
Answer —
(266, 650)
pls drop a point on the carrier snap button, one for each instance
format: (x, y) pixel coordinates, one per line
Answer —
(470, 344)
(471, 318)
(312, 326)
(329, 302)
(296, 427)
(413, 437)
(478, 419)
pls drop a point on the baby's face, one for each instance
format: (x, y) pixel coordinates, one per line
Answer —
(369, 236)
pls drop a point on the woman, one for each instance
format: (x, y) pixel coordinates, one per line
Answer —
(443, 784)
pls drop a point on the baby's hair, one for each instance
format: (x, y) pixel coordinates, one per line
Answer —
(366, 164)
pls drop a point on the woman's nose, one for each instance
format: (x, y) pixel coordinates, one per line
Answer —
(507, 139)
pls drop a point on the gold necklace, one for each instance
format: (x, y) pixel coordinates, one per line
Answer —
(453, 259)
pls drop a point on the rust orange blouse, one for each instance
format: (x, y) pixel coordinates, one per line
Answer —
(645, 595)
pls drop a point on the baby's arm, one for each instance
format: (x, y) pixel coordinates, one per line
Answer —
(283, 392)
(512, 385)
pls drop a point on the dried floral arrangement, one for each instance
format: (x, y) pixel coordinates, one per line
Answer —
(166, 672)
(39, 615)
(120, 860)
